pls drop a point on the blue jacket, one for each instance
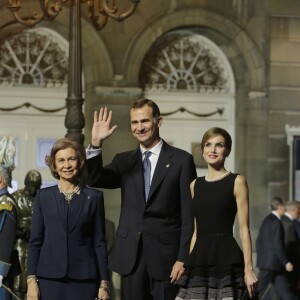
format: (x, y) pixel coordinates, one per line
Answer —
(68, 240)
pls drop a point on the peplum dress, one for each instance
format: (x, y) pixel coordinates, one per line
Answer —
(215, 267)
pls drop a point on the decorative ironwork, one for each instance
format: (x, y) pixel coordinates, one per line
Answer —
(27, 105)
(219, 111)
(184, 61)
(99, 11)
(33, 58)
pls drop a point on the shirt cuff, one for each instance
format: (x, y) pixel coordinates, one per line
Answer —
(90, 153)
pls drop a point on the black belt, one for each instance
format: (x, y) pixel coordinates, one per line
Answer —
(200, 235)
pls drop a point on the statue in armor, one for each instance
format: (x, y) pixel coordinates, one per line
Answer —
(8, 219)
(24, 199)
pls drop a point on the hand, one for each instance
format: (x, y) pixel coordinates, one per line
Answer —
(251, 282)
(33, 291)
(1, 278)
(289, 267)
(100, 129)
(103, 294)
(177, 271)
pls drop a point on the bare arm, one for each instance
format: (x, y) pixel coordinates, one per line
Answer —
(241, 193)
(101, 126)
(178, 268)
(194, 237)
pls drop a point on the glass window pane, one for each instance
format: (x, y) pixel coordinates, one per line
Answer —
(43, 148)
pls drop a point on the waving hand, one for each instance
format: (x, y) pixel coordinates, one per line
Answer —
(101, 126)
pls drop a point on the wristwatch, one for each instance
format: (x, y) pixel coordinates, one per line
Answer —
(94, 147)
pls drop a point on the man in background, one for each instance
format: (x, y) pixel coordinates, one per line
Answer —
(291, 243)
(271, 257)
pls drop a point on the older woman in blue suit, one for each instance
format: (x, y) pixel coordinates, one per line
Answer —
(67, 256)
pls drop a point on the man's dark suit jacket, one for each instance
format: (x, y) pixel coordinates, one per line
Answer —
(73, 246)
(165, 222)
(270, 245)
(290, 239)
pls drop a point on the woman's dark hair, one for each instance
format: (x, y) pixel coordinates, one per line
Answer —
(142, 102)
(214, 132)
(62, 144)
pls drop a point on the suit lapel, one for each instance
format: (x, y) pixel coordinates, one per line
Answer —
(72, 216)
(137, 172)
(164, 165)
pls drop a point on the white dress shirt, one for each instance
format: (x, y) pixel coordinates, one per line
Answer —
(276, 214)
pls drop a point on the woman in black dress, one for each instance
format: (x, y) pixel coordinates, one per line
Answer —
(67, 257)
(217, 268)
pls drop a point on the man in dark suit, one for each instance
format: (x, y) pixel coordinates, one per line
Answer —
(154, 232)
(271, 257)
(291, 242)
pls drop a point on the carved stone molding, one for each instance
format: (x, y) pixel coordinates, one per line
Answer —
(28, 105)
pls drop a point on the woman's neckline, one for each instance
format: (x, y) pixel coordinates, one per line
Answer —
(218, 178)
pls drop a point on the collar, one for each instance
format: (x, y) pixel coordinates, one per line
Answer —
(155, 150)
(288, 216)
(276, 214)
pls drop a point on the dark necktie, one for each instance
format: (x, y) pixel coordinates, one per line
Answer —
(147, 173)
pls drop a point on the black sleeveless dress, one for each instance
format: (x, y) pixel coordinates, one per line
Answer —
(215, 268)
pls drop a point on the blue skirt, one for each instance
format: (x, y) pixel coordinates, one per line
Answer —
(68, 289)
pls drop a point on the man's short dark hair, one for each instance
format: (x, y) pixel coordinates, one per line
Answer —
(142, 102)
(276, 202)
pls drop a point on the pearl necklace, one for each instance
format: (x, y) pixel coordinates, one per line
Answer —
(217, 179)
(69, 196)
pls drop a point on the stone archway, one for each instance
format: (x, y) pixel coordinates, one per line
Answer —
(242, 44)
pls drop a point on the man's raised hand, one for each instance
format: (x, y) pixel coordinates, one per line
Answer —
(100, 129)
